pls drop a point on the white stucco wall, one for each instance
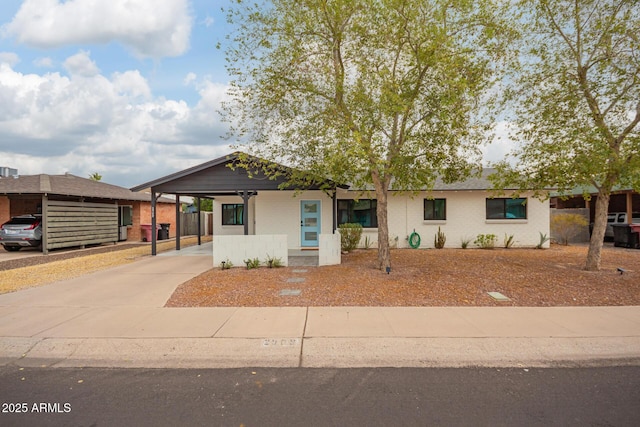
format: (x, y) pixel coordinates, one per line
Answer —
(275, 212)
(466, 218)
(278, 212)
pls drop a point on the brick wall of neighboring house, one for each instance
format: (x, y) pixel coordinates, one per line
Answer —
(5, 206)
(165, 213)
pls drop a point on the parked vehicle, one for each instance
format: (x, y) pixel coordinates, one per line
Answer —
(21, 231)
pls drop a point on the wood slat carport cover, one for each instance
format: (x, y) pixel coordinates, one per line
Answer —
(69, 224)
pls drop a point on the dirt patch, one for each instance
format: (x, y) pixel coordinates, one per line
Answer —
(447, 277)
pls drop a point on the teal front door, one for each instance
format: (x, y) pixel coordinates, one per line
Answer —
(309, 223)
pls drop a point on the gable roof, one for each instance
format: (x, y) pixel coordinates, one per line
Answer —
(68, 185)
(215, 178)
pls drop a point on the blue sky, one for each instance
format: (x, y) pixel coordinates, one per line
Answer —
(128, 89)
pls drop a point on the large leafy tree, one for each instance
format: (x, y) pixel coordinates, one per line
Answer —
(577, 101)
(380, 94)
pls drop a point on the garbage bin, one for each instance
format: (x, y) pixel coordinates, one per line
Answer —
(625, 236)
(146, 232)
(163, 231)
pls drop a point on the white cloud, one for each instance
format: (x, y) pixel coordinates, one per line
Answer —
(132, 83)
(9, 58)
(83, 123)
(151, 28)
(45, 62)
(81, 64)
(190, 78)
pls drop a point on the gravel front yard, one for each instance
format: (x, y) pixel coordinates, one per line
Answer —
(447, 277)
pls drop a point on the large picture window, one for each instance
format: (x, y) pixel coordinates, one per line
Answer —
(506, 208)
(435, 209)
(361, 212)
(232, 214)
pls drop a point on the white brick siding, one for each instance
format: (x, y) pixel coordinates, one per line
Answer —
(465, 219)
(278, 212)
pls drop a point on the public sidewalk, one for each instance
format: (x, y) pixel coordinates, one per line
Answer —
(116, 318)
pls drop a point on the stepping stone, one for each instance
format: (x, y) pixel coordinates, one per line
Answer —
(498, 296)
(290, 292)
(299, 271)
(296, 280)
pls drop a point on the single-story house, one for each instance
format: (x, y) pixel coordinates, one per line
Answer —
(78, 211)
(253, 204)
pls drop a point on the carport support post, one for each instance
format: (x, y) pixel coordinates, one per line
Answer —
(177, 222)
(245, 211)
(630, 207)
(44, 212)
(199, 220)
(334, 200)
(154, 233)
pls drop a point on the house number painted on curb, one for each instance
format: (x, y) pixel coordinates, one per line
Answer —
(280, 342)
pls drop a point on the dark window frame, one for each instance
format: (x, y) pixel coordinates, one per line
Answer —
(505, 211)
(433, 209)
(237, 216)
(351, 215)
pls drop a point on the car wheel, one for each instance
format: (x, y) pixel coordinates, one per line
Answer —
(12, 248)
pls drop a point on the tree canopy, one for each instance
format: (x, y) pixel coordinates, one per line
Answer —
(576, 101)
(382, 94)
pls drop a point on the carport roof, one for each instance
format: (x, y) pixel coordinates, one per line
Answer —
(214, 178)
(68, 185)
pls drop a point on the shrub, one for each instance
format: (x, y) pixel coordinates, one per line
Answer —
(252, 263)
(273, 262)
(486, 241)
(508, 241)
(349, 236)
(440, 239)
(543, 239)
(464, 242)
(225, 265)
(567, 226)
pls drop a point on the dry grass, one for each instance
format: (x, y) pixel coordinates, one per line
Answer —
(36, 275)
(447, 277)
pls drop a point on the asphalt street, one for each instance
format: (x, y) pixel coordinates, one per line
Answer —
(320, 397)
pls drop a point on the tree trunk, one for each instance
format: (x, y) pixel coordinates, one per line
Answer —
(382, 190)
(384, 253)
(599, 228)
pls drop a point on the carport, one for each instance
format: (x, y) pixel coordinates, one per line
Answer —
(224, 176)
(75, 211)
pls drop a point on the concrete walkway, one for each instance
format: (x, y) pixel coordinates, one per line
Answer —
(116, 318)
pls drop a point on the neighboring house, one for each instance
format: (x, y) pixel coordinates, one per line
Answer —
(623, 204)
(78, 211)
(255, 205)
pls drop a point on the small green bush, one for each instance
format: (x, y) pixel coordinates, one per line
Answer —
(486, 241)
(252, 263)
(350, 234)
(464, 242)
(225, 265)
(273, 262)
